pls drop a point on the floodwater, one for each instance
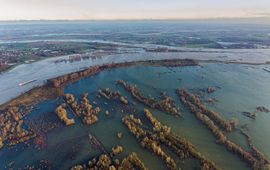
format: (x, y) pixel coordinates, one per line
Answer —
(46, 69)
(239, 88)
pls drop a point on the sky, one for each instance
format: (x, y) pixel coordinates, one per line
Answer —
(131, 9)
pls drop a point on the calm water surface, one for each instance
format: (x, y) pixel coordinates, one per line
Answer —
(239, 88)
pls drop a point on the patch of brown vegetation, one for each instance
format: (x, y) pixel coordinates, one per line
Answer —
(62, 115)
(84, 110)
(117, 150)
(166, 104)
(73, 77)
(105, 162)
(34, 96)
(106, 93)
(11, 127)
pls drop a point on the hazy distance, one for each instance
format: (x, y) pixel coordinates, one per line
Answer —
(131, 9)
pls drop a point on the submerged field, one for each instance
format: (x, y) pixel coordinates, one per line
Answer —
(237, 88)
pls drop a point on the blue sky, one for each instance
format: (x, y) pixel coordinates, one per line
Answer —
(132, 9)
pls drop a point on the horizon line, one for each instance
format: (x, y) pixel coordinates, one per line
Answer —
(141, 19)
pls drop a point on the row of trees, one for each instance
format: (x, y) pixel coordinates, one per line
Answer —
(192, 102)
(166, 104)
